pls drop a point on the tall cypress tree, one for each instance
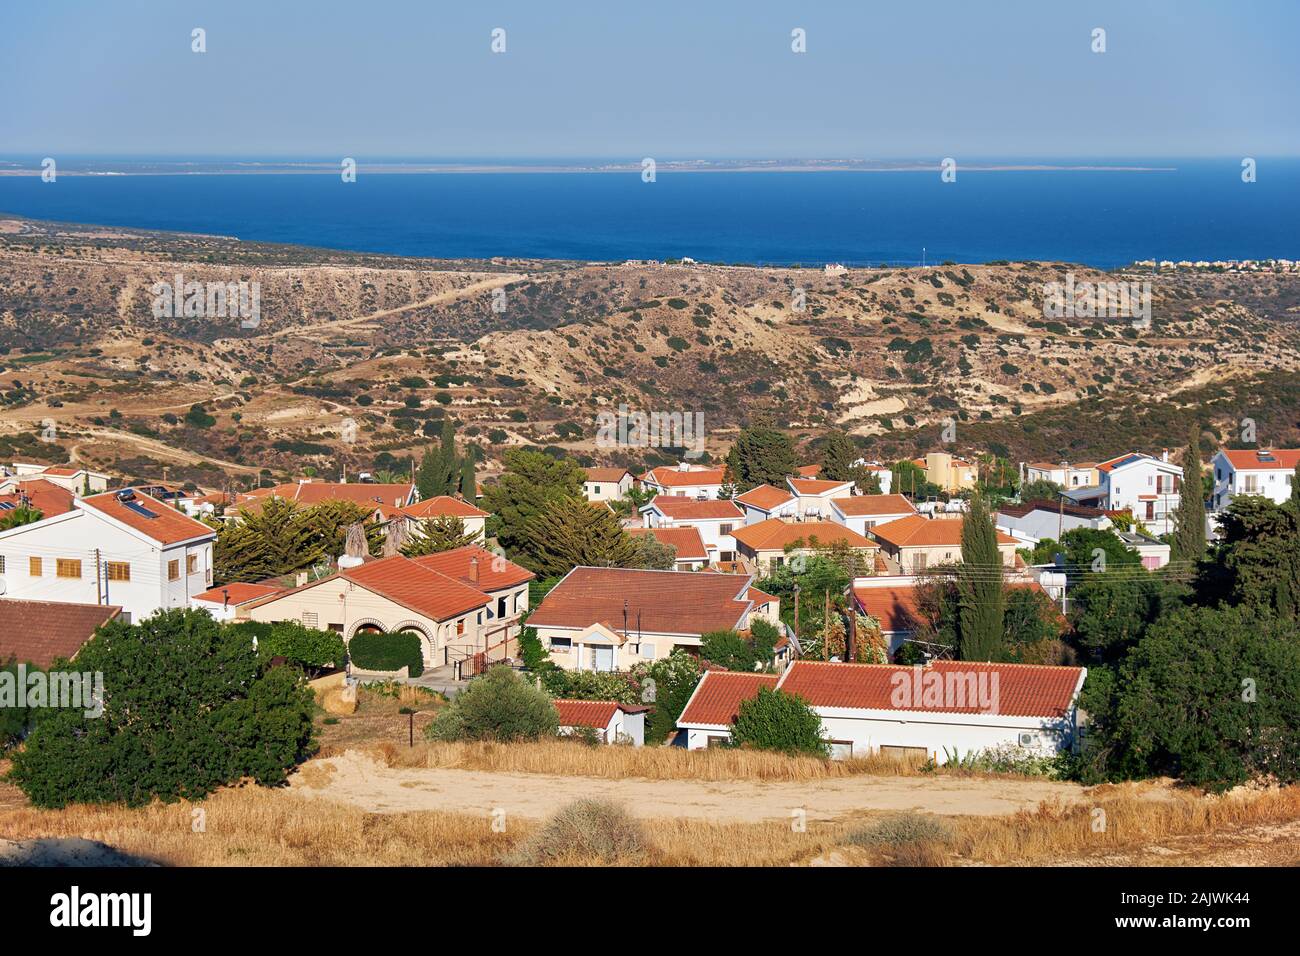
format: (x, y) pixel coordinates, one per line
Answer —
(1188, 541)
(468, 484)
(980, 600)
(838, 455)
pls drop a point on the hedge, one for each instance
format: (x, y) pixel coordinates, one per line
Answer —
(373, 651)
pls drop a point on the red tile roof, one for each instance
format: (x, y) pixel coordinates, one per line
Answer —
(808, 471)
(45, 496)
(606, 474)
(687, 541)
(894, 607)
(776, 535)
(674, 477)
(166, 526)
(586, 713)
(1248, 459)
(38, 632)
(681, 508)
(239, 593)
(916, 531)
(494, 571)
(717, 696)
(62, 472)
(859, 506)
(419, 588)
(813, 486)
(660, 602)
(317, 492)
(1022, 690)
(764, 497)
(440, 506)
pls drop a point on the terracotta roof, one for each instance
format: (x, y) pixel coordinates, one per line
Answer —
(1248, 459)
(1023, 690)
(776, 535)
(716, 698)
(687, 541)
(765, 497)
(664, 602)
(45, 496)
(420, 588)
(916, 531)
(808, 471)
(606, 474)
(679, 507)
(494, 571)
(813, 486)
(674, 477)
(316, 492)
(38, 632)
(163, 523)
(239, 591)
(859, 506)
(1042, 504)
(760, 597)
(586, 713)
(62, 472)
(894, 607)
(440, 506)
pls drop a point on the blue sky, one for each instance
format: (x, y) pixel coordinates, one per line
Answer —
(670, 79)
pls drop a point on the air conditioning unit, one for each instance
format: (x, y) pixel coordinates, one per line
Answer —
(1028, 740)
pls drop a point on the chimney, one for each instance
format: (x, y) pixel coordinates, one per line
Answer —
(473, 570)
(1164, 454)
(684, 466)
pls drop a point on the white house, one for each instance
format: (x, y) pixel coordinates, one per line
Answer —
(860, 512)
(1253, 471)
(714, 519)
(614, 723)
(606, 484)
(79, 481)
(1031, 521)
(815, 495)
(943, 711)
(766, 501)
(1147, 487)
(119, 547)
(691, 481)
(1152, 553)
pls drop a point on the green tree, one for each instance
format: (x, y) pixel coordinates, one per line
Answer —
(530, 483)
(437, 534)
(1112, 610)
(468, 482)
(187, 707)
(1188, 541)
(728, 649)
(1258, 557)
(499, 706)
(652, 554)
(761, 455)
(310, 648)
(1210, 695)
(666, 685)
(979, 586)
(838, 455)
(775, 720)
(570, 532)
(17, 517)
(1040, 490)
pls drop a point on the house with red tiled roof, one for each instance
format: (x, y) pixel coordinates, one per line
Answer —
(443, 506)
(770, 544)
(613, 722)
(1253, 471)
(915, 543)
(860, 512)
(608, 619)
(691, 554)
(766, 501)
(122, 548)
(40, 632)
(450, 601)
(606, 484)
(225, 602)
(306, 492)
(39, 493)
(814, 495)
(714, 519)
(693, 481)
(73, 478)
(943, 711)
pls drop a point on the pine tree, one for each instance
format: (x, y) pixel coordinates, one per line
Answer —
(1188, 541)
(440, 467)
(761, 455)
(571, 532)
(979, 586)
(434, 535)
(838, 455)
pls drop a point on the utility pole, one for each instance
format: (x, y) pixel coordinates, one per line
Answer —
(99, 581)
(796, 612)
(826, 628)
(1060, 516)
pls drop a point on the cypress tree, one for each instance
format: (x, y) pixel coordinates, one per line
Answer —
(980, 600)
(1188, 541)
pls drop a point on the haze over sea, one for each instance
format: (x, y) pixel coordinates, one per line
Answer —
(1198, 209)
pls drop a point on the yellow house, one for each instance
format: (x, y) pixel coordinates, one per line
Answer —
(950, 473)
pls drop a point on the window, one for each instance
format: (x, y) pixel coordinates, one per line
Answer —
(595, 489)
(648, 651)
(173, 570)
(67, 568)
(34, 567)
(191, 563)
(561, 645)
(117, 570)
(2, 564)
(725, 529)
(460, 627)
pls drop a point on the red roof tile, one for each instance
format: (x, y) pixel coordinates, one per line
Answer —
(681, 508)
(606, 474)
(239, 592)
(764, 497)
(859, 506)
(38, 632)
(717, 696)
(440, 506)
(419, 588)
(894, 607)
(776, 535)
(586, 713)
(45, 496)
(1248, 459)
(494, 571)
(660, 602)
(808, 471)
(814, 486)
(166, 526)
(675, 477)
(687, 541)
(916, 531)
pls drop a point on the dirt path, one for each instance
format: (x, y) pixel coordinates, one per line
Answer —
(361, 781)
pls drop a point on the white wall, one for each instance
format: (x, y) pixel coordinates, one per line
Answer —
(1272, 483)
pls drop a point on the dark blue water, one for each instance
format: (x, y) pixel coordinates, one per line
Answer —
(1201, 210)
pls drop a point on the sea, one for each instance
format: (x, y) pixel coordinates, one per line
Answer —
(1180, 209)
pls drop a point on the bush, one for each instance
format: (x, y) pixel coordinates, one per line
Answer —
(374, 651)
(307, 647)
(903, 828)
(499, 706)
(585, 829)
(775, 720)
(187, 708)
